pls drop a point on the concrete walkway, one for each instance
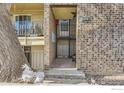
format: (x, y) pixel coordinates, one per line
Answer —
(63, 63)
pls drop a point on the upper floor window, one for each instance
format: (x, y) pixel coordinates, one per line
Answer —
(22, 24)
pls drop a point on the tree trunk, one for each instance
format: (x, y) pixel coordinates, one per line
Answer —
(11, 54)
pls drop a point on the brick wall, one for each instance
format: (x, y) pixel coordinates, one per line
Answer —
(100, 38)
(49, 31)
(47, 36)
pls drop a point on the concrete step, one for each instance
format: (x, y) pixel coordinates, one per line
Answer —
(64, 73)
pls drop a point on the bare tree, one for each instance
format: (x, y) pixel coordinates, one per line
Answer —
(11, 53)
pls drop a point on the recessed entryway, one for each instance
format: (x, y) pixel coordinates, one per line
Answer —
(65, 22)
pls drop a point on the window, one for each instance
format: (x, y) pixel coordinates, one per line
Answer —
(22, 24)
(64, 25)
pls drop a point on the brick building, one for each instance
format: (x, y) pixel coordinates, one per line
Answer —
(92, 32)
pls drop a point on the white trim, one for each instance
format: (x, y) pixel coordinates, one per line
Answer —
(19, 15)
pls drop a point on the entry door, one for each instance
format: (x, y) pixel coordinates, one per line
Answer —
(27, 51)
(63, 48)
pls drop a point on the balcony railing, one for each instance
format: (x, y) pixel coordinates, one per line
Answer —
(29, 29)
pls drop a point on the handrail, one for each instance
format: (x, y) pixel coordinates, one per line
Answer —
(29, 29)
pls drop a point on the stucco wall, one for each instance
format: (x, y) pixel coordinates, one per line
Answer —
(100, 38)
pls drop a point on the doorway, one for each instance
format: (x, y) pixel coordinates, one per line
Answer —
(65, 19)
(27, 51)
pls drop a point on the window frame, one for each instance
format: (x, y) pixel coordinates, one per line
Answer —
(15, 15)
(60, 24)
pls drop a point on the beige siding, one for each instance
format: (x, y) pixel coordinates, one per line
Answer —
(37, 18)
(37, 57)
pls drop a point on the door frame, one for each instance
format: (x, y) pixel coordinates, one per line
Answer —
(29, 60)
